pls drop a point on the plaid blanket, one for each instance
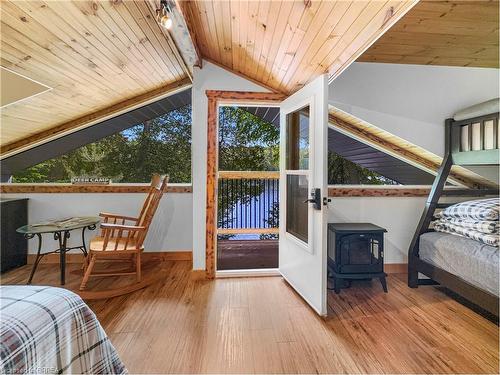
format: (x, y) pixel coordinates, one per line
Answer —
(481, 209)
(444, 226)
(51, 330)
(485, 226)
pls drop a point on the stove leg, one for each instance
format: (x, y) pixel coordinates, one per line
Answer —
(383, 282)
(336, 285)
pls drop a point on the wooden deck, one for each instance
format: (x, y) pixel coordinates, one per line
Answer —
(260, 325)
(247, 254)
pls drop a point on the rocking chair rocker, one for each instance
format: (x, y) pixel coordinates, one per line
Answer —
(123, 236)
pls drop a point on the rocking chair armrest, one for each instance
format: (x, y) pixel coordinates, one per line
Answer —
(132, 228)
(114, 216)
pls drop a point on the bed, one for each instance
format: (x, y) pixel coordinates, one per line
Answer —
(466, 266)
(471, 260)
(51, 330)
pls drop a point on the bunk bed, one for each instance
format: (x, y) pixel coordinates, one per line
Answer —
(465, 266)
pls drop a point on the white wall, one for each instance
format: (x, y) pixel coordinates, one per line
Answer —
(412, 101)
(399, 215)
(171, 229)
(210, 77)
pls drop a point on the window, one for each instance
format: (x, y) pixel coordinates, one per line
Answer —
(352, 162)
(160, 145)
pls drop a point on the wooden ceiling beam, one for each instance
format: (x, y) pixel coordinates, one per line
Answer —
(93, 118)
(179, 36)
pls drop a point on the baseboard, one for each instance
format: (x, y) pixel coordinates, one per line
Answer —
(396, 268)
(78, 258)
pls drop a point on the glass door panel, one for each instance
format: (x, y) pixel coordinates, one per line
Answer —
(297, 173)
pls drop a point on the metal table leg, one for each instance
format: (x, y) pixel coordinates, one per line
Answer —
(38, 255)
(62, 237)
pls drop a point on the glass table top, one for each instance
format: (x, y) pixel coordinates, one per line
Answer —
(66, 224)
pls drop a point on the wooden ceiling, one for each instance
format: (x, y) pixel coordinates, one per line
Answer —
(453, 33)
(285, 44)
(93, 54)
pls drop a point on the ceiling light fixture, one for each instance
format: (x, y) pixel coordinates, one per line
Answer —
(162, 15)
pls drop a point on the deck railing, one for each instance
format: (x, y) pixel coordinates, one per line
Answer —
(248, 202)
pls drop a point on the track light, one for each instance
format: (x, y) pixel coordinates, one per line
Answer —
(162, 15)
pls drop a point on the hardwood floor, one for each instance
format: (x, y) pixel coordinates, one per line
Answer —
(260, 325)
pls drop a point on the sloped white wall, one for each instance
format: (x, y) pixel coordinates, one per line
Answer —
(210, 77)
(412, 101)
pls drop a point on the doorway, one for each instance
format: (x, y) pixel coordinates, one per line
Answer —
(247, 188)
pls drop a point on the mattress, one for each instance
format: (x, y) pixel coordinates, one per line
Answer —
(51, 330)
(472, 261)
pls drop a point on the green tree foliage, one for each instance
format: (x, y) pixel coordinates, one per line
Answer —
(246, 142)
(344, 172)
(161, 145)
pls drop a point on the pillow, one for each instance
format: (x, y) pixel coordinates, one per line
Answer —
(482, 209)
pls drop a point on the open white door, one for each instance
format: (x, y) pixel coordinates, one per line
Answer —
(303, 170)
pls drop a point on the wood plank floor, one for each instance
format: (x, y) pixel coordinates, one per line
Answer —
(260, 325)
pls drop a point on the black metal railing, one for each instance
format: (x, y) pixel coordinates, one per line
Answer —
(248, 201)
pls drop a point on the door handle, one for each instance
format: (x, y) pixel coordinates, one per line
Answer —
(315, 199)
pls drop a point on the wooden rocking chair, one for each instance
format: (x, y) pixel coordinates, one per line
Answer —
(123, 236)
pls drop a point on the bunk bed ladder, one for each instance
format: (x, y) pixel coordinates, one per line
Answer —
(430, 207)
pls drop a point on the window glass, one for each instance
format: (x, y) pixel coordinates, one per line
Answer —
(296, 207)
(297, 143)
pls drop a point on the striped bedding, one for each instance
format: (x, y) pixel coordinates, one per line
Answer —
(51, 330)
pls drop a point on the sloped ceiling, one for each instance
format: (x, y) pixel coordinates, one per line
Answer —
(93, 54)
(285, 44)
(452, 33)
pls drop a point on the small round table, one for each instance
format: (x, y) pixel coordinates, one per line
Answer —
(61, 231)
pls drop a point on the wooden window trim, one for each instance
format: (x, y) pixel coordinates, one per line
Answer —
(69, 188)
(215, 98)
(379, 191)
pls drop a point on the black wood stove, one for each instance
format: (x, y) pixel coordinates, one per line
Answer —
(355, 251)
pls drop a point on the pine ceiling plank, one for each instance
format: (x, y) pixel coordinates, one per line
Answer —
(458, 33)
(199, 26)
(312, 36)
(277, 41)
(163, 39)
(244, 18)
(267, 39)
(22, 58)
(222, 12)
(234, 7)
(135, 32)
(286, 46)
(119, 29)
(64, 30)
(336, 24)
(22, 27)
(100, 41)
(260, 29)
(369, 22)
(253, 12)
(109, 33)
